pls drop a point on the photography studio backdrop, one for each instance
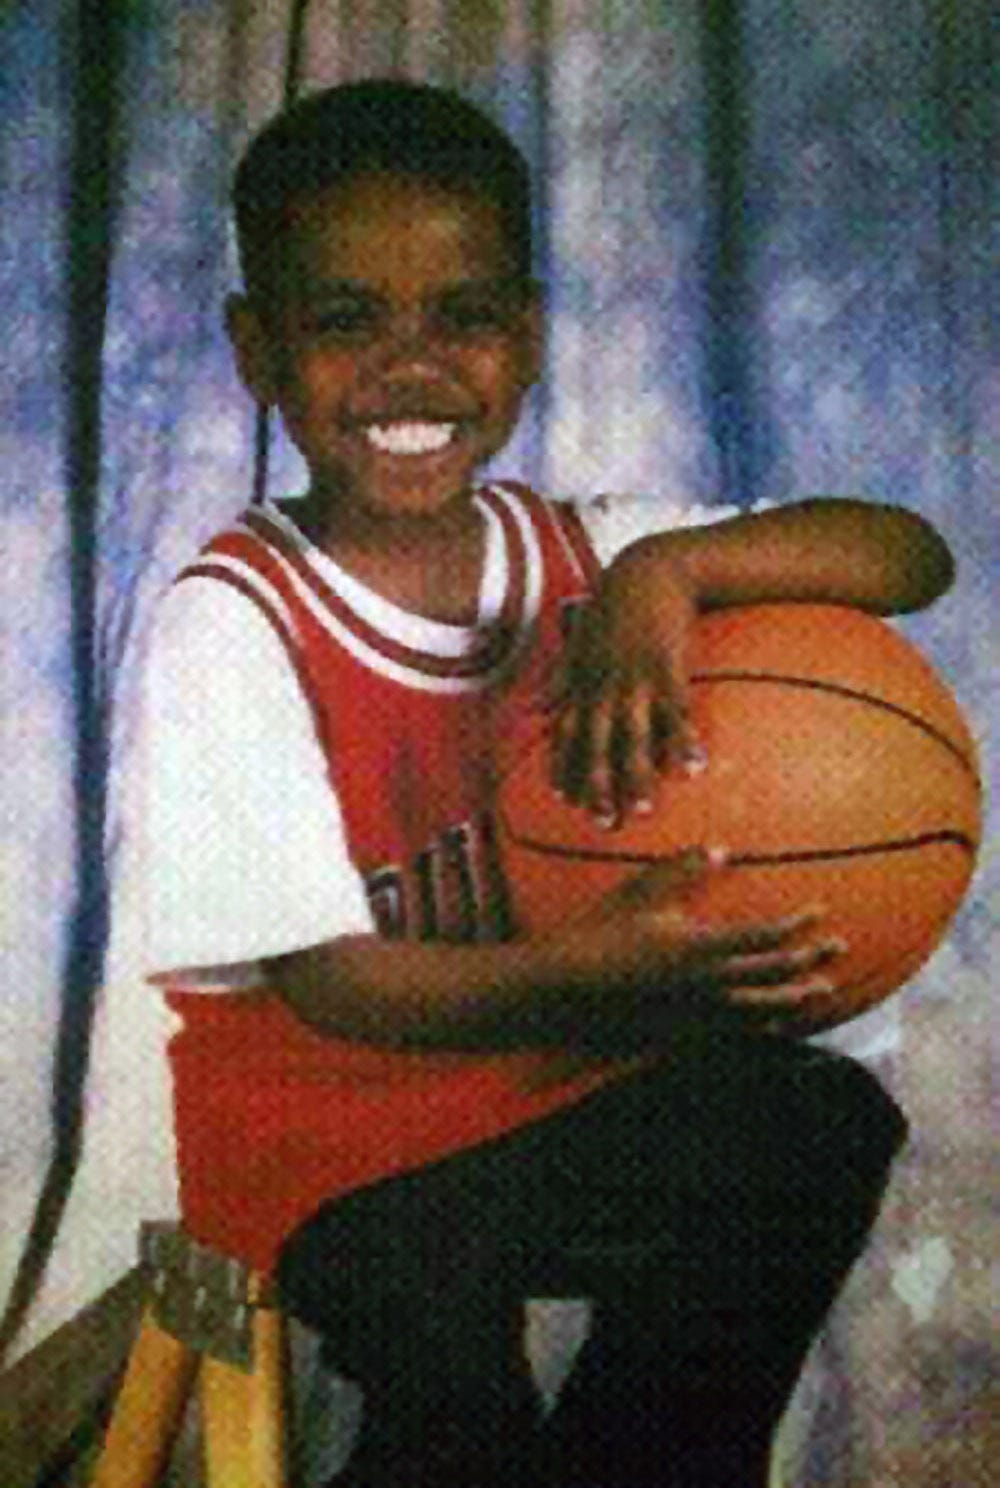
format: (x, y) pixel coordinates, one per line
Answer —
(763, 229)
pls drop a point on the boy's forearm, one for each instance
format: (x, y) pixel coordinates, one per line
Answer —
(622, 977)
(431, 995)
(879, 558)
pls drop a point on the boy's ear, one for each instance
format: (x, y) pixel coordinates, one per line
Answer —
(252, 349)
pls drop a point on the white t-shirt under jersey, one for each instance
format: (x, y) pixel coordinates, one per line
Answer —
(244, 844)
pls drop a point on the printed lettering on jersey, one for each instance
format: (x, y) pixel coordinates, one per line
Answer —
(454, 890)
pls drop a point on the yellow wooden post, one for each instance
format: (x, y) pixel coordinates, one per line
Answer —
(208, 1312)
(243, 1418)
(148, 1411)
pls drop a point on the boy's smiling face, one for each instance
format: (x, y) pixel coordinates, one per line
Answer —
(398, 343)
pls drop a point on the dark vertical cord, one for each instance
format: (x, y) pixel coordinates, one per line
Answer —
(541, 25)
(737, 424)
(93, 55)
(294, 52)
(961, 134)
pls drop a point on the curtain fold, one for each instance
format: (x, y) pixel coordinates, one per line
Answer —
(764, 232)
(88, 53)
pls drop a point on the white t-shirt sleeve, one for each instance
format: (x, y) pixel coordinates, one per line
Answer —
(245, 849)
(613, 522)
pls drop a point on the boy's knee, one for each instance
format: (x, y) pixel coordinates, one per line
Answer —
(852, 1121)
(796, 1134)
(822, 1097)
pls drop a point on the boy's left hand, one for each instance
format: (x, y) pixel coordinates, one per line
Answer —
(621, 698)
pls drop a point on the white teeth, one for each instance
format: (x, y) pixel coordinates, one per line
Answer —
(411, 438)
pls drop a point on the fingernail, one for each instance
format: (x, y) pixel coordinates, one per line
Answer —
(604, 820)
(695, 760)
(717, 857)
(836, 945)
(643, 807)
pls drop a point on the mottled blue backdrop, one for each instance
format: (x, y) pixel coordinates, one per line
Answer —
(764, 230)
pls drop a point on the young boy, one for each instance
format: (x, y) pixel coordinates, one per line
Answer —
(418, 1114)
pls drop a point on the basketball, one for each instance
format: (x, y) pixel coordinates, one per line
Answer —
(841, 773)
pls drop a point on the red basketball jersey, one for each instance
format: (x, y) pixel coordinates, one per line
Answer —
(273, 1118)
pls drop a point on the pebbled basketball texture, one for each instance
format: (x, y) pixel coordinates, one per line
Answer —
(841, 773)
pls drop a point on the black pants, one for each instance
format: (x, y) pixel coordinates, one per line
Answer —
(710, 1210)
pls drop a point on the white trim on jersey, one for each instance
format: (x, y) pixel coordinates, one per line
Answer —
(401, 626)
(374, 660)
(404, 627)
(254, 580)
(572, 556)
(532, 556)
(493, 585)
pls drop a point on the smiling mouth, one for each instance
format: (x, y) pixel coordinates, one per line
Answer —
(410, 436)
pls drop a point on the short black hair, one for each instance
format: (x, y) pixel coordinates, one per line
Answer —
(376, 125)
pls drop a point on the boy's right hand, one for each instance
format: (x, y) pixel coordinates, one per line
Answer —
(655, 962)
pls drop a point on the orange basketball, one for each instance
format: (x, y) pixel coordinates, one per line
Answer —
(841, 773)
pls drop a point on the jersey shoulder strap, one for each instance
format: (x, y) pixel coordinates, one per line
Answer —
(241, 559)
(558, 525)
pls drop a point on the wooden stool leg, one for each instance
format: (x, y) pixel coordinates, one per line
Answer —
(243, 1417)
(148, 1411)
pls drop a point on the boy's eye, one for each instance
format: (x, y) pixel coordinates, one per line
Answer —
(348, 319)
(356, 318)
(469, 316)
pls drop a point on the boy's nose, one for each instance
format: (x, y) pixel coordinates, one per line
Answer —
(407, 325)
(410, 344)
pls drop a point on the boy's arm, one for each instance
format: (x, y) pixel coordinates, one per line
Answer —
(884, 559)
(617, 979)
(623, 707)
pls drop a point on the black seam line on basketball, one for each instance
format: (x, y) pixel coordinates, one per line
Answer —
(757, 860)
(841, 691)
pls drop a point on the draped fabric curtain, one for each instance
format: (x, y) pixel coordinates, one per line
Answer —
(764, 234)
